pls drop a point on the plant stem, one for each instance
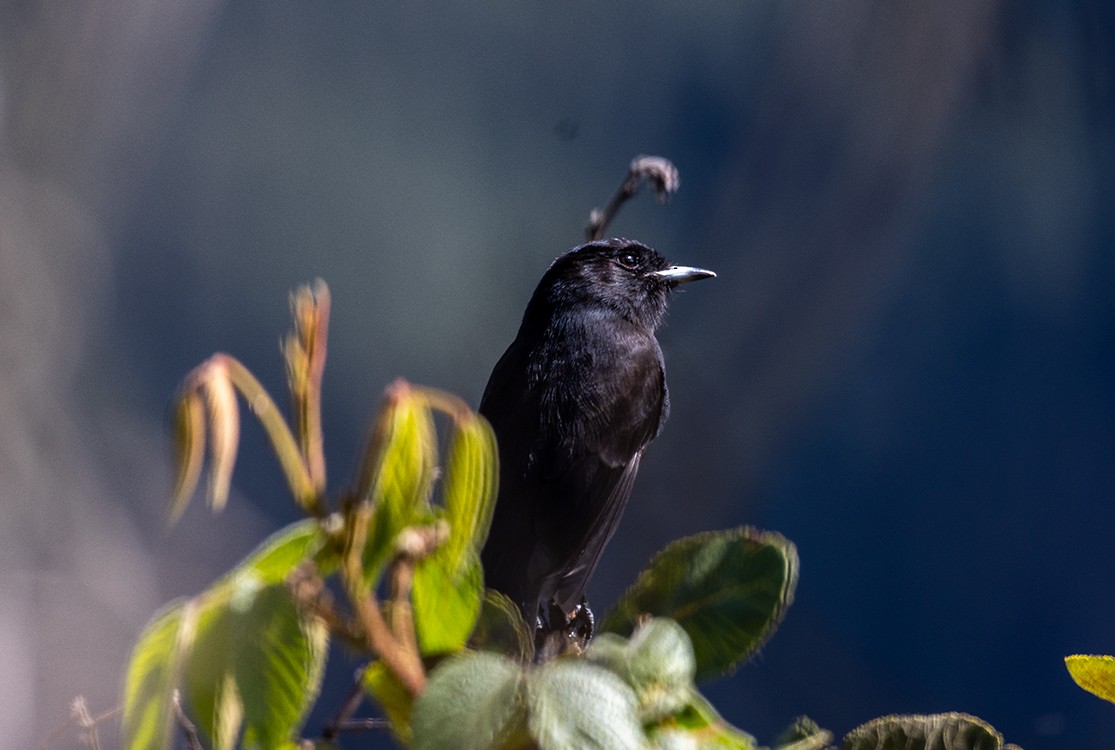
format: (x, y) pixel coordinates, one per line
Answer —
(399, 656)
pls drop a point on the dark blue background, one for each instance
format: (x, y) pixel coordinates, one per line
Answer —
(905, 365)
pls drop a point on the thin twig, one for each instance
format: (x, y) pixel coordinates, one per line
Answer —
(657, 170)
(50, 738)
(343, 717)
(189, 731)
(361, 725)
(403, 661)
(87, 723)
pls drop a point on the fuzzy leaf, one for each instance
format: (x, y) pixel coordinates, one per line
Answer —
(472, 702)
(573, 703)
(727, 589)
(950, 731)
(657, 662)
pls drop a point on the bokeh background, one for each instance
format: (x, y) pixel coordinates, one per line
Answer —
(905, 364)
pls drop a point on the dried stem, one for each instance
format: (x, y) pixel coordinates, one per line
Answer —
(282, 440)
(87, 723)
(305, 351)
(657, 170)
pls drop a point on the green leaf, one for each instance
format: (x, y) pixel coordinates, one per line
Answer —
(951, 731)
(257, 662)
(183, 642)
(699, 727)
(405, 468)
(472, 701)
(381, 684)
(573, 703)
(470, 489)
(657, 662)
(446, 605)
(153, 674)
(1096, 674)
(727, 589)
(277, 557)
(501, 628)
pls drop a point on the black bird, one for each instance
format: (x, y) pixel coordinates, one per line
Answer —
(574, 401)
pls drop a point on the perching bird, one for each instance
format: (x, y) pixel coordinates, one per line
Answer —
(574, 401)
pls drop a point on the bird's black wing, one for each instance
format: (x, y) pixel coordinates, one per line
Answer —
(589, 478)
(571, 424)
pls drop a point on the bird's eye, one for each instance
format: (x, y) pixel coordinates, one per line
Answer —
(628, 260)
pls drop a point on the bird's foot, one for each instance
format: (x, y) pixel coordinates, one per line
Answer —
(563, 632)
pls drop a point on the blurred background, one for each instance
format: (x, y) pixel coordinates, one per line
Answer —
(905, 365)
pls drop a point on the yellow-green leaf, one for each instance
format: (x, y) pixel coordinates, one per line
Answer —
(1096, 674)
(381, 684)
(153, 674)
(405, 466)
(446, 606)
(470, 488)
(257, 662)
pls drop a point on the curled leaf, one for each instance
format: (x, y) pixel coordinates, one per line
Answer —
(399, 470)
(948, 731)
(470, 489)
(189, 450)
(304, 350)
(224, 430)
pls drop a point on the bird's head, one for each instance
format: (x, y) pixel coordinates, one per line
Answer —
(618, 274)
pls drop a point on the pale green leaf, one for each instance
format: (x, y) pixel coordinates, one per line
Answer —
(727, 589)
(472, 702)
(575, 704)
(657, 662)
(697, 726)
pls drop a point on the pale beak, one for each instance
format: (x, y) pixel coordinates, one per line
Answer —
(675, 275)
